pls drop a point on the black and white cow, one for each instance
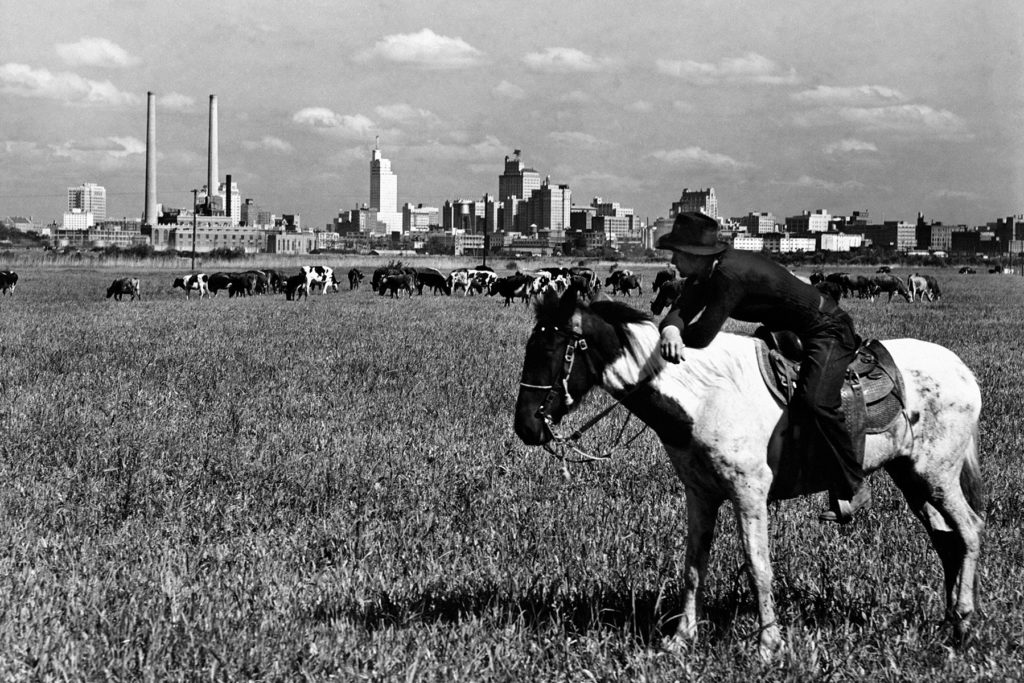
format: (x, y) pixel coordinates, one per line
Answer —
(480, 281)
(459, 279)
(126, 285)
(320, 276)
(8, 281)
(196, 282)
(512, 287)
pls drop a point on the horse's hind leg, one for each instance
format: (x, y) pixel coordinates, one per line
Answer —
(752, 520)
(702, 514)
(953, 526)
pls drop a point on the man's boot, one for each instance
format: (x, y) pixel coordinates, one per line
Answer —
(843, 511)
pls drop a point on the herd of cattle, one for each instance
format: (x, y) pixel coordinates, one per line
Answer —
(395, 278)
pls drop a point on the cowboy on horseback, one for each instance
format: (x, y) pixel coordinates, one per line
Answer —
(723, 283)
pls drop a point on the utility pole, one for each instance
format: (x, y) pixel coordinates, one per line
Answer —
(194, 193)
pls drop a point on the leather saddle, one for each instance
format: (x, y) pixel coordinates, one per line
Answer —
(873, 395)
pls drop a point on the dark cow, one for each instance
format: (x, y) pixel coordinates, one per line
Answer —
(887, 282)
(664, 276)
(8, 281)
(261, 283)
(241, 284)
(194, 282)
(584, 278)
(933, 286)
(511, 287)
(354, 278)
(219, 281)
(433, 278)
(967, 270)
(628, 283)
(667, 294)
(394, 283)
(274, 280)
(295, 287)
(125, 285)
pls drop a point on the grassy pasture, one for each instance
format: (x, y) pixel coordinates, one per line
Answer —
(259, 489)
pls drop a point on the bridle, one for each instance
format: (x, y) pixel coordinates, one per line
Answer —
(574, 342)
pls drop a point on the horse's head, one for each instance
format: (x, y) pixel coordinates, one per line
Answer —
(558, 369)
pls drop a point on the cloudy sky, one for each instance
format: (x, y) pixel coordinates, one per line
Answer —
(843, 105)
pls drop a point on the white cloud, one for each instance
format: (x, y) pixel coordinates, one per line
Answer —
(750, 68)
(680, 105)
(578, 139)
(95, 52)
(509, 90)
(104, 153)
(24, 81)
(696, 156)
(174, 101)
(268, 143)
(860, 95)
(425, 49)
(404, 113)
(640, 107)
(346, 125)
(560, 60)
(850, 145)
(807, 181)
(489, 148)
(901, 118)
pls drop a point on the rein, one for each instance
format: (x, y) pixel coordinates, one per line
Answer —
(566, 443)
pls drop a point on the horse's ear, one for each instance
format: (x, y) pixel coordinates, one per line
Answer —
(568, 302)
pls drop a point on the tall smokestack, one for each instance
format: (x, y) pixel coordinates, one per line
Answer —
(212, 172)
(150, 217)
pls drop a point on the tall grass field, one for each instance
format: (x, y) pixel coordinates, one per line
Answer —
(330, 489)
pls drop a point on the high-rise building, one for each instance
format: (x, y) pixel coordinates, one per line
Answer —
(384, 191)
(700, 200)
(551, 206)
(808, 222)
(516, 185)
(90, 198)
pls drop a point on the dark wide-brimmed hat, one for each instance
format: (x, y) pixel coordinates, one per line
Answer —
(693, 233)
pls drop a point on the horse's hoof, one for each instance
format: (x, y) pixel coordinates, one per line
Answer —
(962, 631)
(771, 648)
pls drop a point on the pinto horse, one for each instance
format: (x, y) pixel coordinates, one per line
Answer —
(721, 454)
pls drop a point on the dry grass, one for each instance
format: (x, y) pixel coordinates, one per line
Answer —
(261, 489)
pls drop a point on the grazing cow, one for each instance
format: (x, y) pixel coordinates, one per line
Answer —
(459, 279)
(189, 283)
(584, 278)
(275, 281)
(512, 287)
(261, 283)
(433, 278)
(816, 276)
(480, 281)
(125, 285)
(354, 278)
(320, 276)
(295, 287)
(616, 275)
(887, 282)
(922, 287)
(667, 294)
(628, 283)
(664, 276)
(394, 283)
(8, 281)
(967, 270)
(241, 284)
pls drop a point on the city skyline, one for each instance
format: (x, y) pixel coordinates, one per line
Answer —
(892, 110)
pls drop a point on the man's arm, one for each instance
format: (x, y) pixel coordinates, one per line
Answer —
(722, 295)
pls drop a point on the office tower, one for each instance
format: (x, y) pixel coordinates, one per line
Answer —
(90, 198)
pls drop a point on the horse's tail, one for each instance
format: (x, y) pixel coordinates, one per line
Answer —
(970, 477)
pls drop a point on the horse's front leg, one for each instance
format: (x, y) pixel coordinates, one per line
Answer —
(702, 514)
(752, 520)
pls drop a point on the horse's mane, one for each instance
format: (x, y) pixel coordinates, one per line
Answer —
(618, 313)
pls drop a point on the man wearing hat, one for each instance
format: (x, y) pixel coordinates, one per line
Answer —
(722, 283)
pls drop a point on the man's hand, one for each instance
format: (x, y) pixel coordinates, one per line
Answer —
(671, 344)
